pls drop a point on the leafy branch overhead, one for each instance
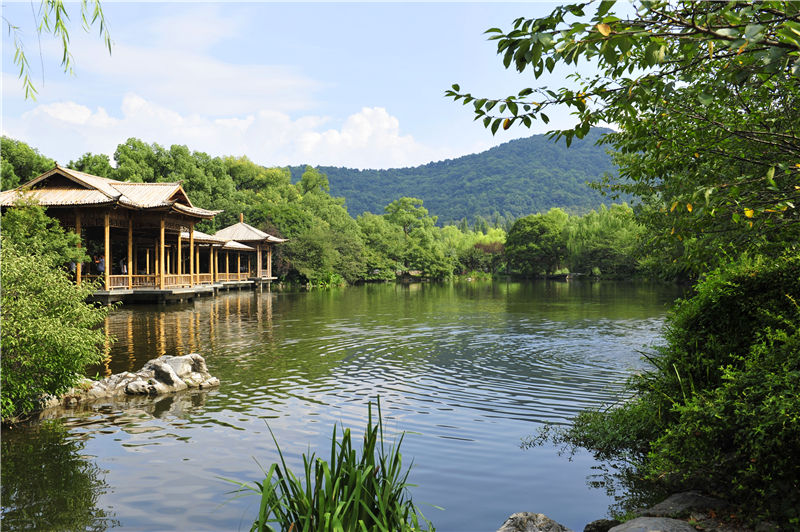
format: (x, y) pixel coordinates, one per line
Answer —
(641, 58)
(52, 18)
(705, 97)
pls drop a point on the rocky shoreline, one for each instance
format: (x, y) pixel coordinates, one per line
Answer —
(159, 376)
(682, 512)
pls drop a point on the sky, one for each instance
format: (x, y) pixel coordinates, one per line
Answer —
(342, 84)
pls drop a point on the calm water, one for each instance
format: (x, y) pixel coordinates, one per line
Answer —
(468, 369)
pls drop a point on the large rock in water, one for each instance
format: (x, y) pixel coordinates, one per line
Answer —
(530, 522)
(158, 376)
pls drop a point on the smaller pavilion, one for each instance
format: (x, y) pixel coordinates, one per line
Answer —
(256, 240)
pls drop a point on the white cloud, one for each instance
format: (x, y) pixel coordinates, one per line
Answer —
(370, 138)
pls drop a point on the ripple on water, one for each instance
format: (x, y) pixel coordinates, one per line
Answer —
(467, 371)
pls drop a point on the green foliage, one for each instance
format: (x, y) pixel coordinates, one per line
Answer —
(93, 164)
(718, 411)
(347, 492)
(28, 228)
(49, 332)
(20, 163)
(705, 98)
(605, 242)
(514, 179)
(538, 243)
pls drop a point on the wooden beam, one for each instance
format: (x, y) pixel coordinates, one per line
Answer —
(191, 255)
(161, 256)
(107, 252)
(130, 252)
(79, 266)
(179, 267)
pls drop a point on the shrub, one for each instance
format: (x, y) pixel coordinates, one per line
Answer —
(719, 411)
(49, 332)
(347, 492)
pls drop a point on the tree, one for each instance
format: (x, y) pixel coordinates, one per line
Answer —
(705, 97)
(52, 19)
(20, 163)
(95, 164)
(537, 243)
(409, 213)
(605, 242)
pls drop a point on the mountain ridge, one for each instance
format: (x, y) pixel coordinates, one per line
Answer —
(513, 179)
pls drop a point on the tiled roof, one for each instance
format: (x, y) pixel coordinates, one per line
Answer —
(242, 232)
(202, 238)
(236, 246)
(87, 189)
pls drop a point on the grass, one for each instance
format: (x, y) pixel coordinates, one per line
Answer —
(348, 492)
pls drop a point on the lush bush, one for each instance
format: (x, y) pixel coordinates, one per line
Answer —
(348, 492)
(49, 332)
(719, 411)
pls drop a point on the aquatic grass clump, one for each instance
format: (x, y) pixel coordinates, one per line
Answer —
(348, 492)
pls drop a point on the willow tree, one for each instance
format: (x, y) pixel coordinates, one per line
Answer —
(705, 96)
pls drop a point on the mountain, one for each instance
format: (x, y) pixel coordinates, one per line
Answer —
(514, 179)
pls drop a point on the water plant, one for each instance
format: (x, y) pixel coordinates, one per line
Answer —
(348, 492)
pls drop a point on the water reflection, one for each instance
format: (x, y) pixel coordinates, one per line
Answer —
(48, 482)
(143, 332)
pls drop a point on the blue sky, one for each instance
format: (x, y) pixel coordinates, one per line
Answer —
(345, 84)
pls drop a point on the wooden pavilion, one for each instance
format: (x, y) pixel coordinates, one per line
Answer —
(140, 236)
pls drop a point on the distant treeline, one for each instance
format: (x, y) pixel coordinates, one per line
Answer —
(328, 246)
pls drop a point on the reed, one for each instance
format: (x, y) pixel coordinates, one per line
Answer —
(348, 492)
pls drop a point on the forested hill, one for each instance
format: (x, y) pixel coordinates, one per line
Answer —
(514, 179)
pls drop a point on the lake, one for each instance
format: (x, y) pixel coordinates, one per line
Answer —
(467, 370)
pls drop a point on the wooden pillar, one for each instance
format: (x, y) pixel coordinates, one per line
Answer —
(79, 265)
(161, 255)
(238, 265)
(179, 267)
(130, 252)
(107, 254)
(258, 260)
(269, 261)
(227, 265)
(191, 256)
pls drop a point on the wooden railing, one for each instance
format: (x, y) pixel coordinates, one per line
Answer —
(227, 277)
(204, 278)
(265, 275)
(145, 281)
(117, 281)
(171, 281)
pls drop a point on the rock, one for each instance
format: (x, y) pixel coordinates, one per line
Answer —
(683, 504)
(601, 525)
(530, 522)
(166, 374)
(654, 524)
